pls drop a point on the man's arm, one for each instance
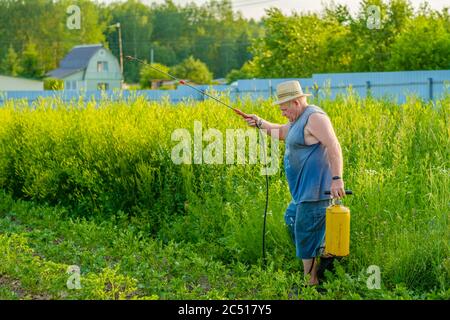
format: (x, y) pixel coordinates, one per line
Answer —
(319, 125)
(271, 128)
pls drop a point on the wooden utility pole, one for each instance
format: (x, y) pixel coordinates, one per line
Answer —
(120, 46)
(117, 25)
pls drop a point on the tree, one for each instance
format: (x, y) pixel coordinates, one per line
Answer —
(423, 45)
(295, 46)
(164, 54)
(137, 29)
(371, 46)
(211, 32)
(246, 72)
(11, 63)
(334, 41)
(56, 39)
(31, 63)
(43, 22)
(149, 75)
(194, 70)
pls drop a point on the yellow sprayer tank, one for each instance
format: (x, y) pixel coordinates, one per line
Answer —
(337, 229)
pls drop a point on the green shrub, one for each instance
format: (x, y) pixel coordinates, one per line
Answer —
(53, 84)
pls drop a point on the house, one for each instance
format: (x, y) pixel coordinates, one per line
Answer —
(8, 83)
(89, 67)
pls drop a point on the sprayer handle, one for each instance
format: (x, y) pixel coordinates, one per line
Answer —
(346, 192)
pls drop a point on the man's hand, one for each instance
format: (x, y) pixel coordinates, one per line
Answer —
(337, 189)
(251, 119)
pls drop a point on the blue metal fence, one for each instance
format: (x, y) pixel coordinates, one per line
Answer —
(428, 85)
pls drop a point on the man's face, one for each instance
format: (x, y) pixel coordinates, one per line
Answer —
(287, 110)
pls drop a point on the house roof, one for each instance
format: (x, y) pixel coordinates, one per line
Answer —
(62, 73)
(79, 57)
(76, 60)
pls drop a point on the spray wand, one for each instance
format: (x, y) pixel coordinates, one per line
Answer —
(239, 112)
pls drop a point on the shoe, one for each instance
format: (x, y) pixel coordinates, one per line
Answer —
(325, 264)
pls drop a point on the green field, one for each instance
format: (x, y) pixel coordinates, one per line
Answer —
(93, 185)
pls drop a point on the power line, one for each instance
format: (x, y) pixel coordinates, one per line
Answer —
(251, 4)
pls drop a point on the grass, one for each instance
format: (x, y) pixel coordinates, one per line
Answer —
(39, 243)
(93, 185)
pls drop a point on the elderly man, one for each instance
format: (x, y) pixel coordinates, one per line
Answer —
(313, 164)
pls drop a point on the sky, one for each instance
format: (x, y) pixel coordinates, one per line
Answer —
(255, 8)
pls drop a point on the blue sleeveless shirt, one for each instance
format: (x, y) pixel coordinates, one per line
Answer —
(307, 168)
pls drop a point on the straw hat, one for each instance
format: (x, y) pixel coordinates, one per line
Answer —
(289, 90)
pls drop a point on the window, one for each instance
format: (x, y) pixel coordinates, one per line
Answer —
(71, 85)
(102, 66)
(102, 86)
